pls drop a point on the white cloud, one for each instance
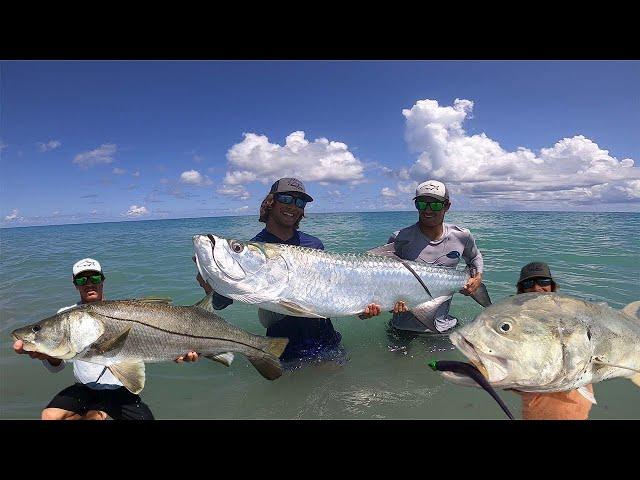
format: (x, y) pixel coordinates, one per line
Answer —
(136, 173)
(235, 191)
(242, 209)
(387, 192)
(119, 171)
(198, 158)
(193, 177)
(103, 154)
(574, 170)
(3, 145)
(50, 145)
(256, 159)
(13, 216)
(136, 211)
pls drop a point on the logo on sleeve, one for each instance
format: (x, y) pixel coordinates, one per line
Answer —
(453, 254)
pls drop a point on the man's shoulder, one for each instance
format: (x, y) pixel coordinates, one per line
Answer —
(406, 233)
(458, 230)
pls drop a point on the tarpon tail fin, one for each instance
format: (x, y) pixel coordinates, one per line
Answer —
(633, 310)
(481, 295)
(267, 362)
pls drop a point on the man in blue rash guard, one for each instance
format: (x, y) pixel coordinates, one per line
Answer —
(310, 339)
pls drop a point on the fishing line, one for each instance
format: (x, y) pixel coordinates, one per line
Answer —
(617, 366)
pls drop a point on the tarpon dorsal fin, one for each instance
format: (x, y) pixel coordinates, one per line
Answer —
(584, 391)
(298, 310)
(223, 358)
(206, 303)
(633, 309)
(130, 374)
(113, 342)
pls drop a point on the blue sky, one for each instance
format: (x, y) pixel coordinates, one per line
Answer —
(94, 141)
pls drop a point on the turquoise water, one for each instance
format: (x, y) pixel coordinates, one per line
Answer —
(595, 256)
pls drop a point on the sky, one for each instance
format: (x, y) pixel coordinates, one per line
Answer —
(101, 141)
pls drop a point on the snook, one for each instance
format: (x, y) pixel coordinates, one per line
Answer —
(123, 335)
(306, 282)
(547, 342)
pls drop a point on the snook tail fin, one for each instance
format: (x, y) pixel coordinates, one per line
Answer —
(267, 360)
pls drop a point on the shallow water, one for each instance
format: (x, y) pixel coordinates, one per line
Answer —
(595, 256)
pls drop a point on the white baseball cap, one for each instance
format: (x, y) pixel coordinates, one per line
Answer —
(86, 264)
(432, 188)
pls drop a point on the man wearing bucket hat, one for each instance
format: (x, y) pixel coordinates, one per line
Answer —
(434, 242)
(535, 277)
(97, 393)
(310, 339)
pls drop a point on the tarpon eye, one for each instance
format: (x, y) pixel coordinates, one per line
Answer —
(237, 247)
(505, 326)
(36, 328)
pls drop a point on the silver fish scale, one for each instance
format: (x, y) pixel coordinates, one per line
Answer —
(343, 284)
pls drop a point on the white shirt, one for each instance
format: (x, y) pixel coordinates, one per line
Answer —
(90, 374)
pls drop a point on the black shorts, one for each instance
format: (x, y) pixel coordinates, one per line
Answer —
(119, 403)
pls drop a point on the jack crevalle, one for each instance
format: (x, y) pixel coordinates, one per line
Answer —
(306, 282)
(548, 342)
(123, 335)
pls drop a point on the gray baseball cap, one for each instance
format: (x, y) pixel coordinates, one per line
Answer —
(535, 270)
(290, 185)
(434, 189)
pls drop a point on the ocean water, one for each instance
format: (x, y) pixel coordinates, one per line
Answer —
(595, 256)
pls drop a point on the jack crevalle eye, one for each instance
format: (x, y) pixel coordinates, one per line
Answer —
(505, 326)
(237, 247)
(36, 328)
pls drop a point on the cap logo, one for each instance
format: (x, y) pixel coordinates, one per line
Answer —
(295, 184)
(430, 187)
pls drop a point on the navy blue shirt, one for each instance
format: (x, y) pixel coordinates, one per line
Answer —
(308, 337)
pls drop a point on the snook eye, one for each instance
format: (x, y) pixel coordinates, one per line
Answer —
(36, 328)
(505, 326)
(237, 247)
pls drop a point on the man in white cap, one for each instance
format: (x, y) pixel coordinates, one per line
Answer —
(434, 242)
(97, 393)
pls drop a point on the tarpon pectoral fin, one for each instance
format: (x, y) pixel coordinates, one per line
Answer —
(425, 312)
(633, 309)
(584, 391)
(481, 295)
(636, 379)
(113, 342)
(131, 375)
(298, 310)
(223, 358)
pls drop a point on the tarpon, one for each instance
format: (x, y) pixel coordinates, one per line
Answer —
(548, 342)
(307, 282)
(123, 335)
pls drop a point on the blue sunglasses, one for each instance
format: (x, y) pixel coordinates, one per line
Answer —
(289, 199)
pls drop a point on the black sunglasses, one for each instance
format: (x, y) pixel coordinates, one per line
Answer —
(289, 199)
(543, 282)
